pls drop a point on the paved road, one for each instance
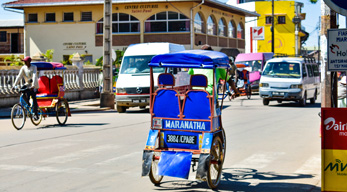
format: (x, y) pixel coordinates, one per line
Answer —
(273, 148)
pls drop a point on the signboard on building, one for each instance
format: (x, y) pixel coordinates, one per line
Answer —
(258, 33)
(337, 50)
(334, 149)
(339, 6)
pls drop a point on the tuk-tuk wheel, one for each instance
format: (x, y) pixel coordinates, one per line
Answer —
(155, 179)
(216, 163)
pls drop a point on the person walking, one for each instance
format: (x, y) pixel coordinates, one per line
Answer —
(29, 73)
(341, 93)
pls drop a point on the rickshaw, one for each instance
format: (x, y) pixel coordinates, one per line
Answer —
(243, 83)
(186, 126)
(50, 97)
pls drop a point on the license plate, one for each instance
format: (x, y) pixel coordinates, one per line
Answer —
(182, 139)
(278, 93)
(136, 101)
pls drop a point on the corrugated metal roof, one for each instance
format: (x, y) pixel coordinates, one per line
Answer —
(20, 4)
(11, 23)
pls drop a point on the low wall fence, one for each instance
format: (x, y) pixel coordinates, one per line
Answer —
(79, 84)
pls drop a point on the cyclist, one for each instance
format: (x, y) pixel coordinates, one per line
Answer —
(29, 73)
(233, 73)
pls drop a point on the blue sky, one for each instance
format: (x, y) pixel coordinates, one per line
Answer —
(312, 14)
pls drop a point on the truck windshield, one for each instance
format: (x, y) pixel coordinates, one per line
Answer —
(138, 64)
(282, 70)
(255, 64)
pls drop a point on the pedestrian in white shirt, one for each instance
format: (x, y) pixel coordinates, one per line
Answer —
(341, 93)
(29, 73)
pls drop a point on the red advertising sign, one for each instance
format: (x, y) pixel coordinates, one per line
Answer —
(334, 149)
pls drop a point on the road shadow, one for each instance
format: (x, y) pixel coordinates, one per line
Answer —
(71, 125)
(294, 104)
(245, 180)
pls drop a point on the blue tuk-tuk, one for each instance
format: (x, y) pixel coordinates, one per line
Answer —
(186, 126)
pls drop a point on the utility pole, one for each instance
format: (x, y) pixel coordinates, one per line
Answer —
(107, 96)
(273, 28)
(328, 78)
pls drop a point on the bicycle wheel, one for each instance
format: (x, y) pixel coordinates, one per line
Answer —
(61, 109)
(155, 179)
(38, 121)
(215, 165)
(18, 116)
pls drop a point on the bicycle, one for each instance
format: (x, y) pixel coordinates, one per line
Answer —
(22, 109)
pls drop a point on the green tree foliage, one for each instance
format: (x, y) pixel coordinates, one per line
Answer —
(14, 60)
(48, 55)
(313, 1)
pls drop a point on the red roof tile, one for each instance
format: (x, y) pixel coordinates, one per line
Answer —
(41, 1)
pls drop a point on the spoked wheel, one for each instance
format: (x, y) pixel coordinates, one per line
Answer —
(18, 116)
(216, 163)
(249, 92)
(153, 176)
(36, 122)
(61, 109)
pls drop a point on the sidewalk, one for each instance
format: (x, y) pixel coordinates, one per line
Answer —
(78, 106)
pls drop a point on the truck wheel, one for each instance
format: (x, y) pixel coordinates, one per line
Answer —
(266, 102)
(121, 109)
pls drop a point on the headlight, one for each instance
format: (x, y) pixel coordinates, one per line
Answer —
(263, 85)
(121, 90)
(296, 86)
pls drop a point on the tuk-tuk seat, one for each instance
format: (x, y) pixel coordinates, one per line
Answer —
(166, 100)
(197, 102)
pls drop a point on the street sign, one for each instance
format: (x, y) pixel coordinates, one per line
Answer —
(258, 33)
(337, 49)
(339, 6)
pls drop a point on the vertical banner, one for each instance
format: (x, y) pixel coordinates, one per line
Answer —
(334, 149)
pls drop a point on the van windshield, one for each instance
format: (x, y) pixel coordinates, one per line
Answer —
(282, 70)
(255, 64)
(138, 64)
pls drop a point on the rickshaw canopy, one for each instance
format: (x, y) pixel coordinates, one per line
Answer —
(191, 59)
(48, 65)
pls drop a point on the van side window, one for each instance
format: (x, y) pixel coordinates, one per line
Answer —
(315, 70)
(309, 69)
(304, 73)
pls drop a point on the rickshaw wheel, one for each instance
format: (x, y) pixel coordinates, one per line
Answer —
(61, 109)
(216, 163)
(155, 179)
(38, 121)
(18, 116)
(249, 92)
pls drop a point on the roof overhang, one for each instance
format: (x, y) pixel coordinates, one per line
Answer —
(43, 3)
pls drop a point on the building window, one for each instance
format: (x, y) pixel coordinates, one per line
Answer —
(268, 20)
(167, 21)
(3, 36)
(32, 18)
(211, 26)
(232, 29)
(240, 31)
(222, 28)
(68, 17)
(86, 16)
(50, 17)
(121, 23)
(198, 24)
(281, 19)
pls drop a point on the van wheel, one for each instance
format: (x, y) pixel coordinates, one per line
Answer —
(266, 102)
(313, 100)
(302, 102)
(121, 109)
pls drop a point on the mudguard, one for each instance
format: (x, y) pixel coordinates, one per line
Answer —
(201, 172)
(147, 158)
(175, 164)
